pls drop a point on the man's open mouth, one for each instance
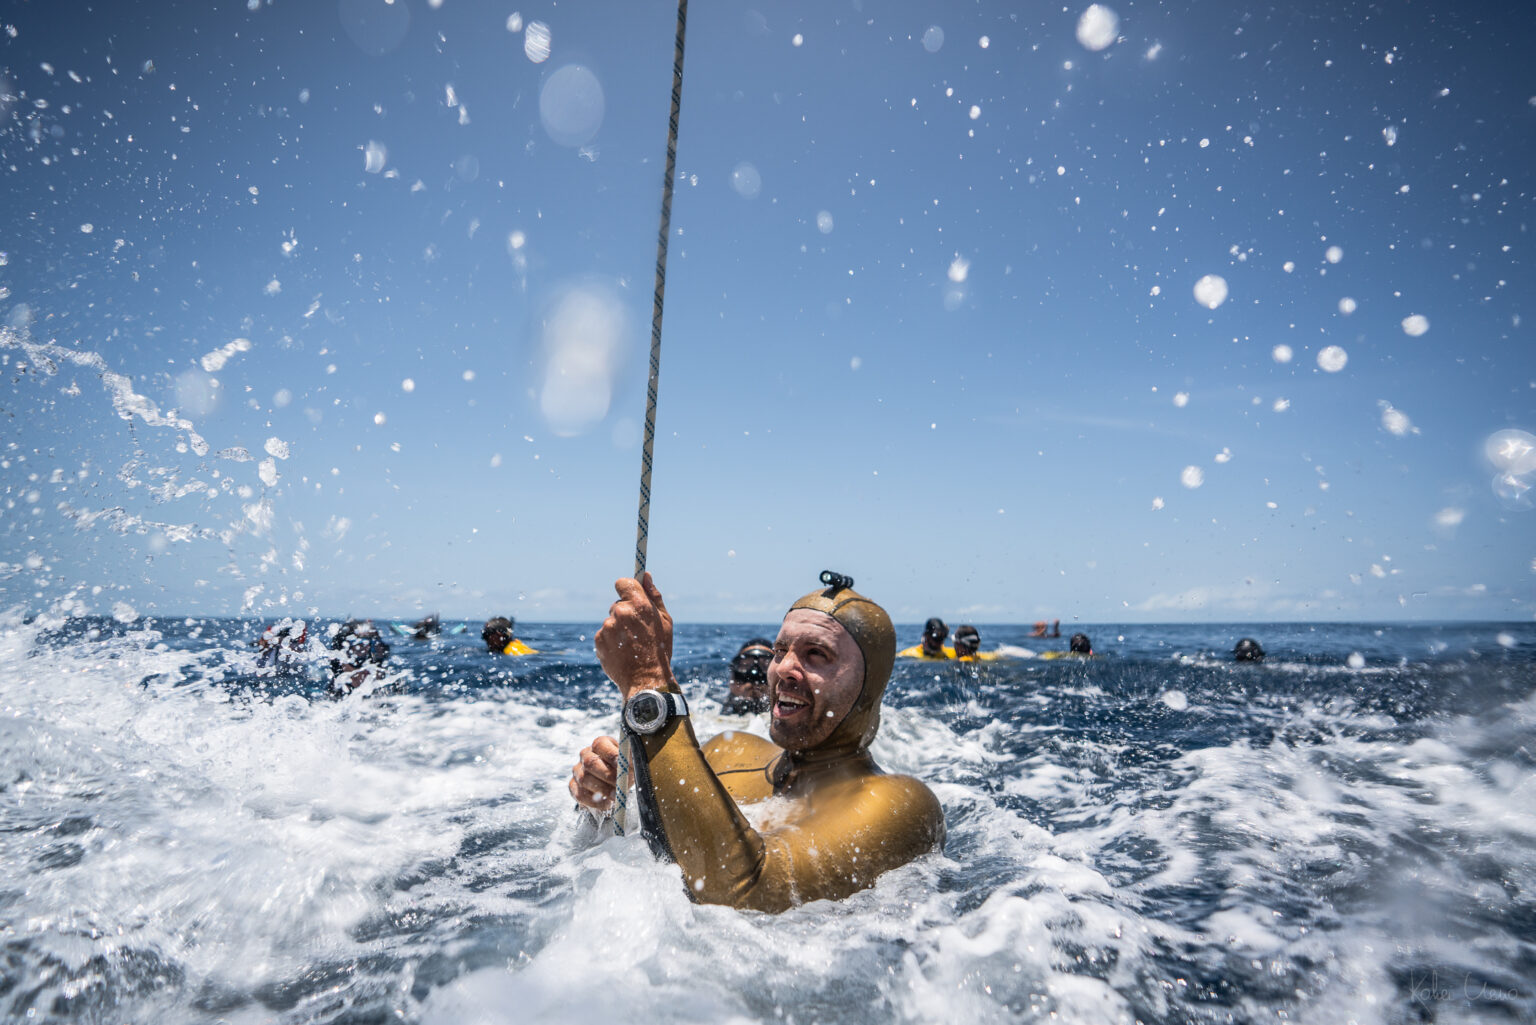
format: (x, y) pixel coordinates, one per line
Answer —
(787, 706)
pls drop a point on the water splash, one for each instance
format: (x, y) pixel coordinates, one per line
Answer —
(536, 42)
(1331, 359)
(1211, 291)
(1098, 27)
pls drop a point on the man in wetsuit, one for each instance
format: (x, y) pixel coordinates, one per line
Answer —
(842, 822)
(748, 693)
(935, 633)
(1248, 650)
(967, 643)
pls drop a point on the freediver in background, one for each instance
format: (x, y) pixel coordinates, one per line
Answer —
(841, 821)
(500, 640)
(1248, 650)
(281, 647)
(935, 632)
(967, 643)
(749, 678)
(362, 653)
(1079, 646)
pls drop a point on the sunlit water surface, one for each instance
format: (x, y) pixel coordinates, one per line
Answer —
(1154, 835)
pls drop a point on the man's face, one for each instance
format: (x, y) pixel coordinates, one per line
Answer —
(816, 675)
(933, 642)
(749, 680)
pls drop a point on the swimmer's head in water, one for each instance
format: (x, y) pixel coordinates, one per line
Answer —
(749, 677)
(967, 641)
(1080, 645)
(497, 633)
(832, 660)
(1248, 650)
(934, 634)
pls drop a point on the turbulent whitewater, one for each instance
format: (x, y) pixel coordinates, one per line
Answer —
(1345, 833)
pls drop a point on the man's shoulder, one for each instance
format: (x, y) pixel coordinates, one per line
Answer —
(899, 810)
(902, 797)
(736, 749)
(899, 786)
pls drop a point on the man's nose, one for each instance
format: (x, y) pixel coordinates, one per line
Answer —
(786, 665)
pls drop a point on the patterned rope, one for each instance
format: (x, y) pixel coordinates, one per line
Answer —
(643, 524)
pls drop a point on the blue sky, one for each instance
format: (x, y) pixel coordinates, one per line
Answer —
(931, 319)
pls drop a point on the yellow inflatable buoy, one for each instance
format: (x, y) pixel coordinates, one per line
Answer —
(916, 651)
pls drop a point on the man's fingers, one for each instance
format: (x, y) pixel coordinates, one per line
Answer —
(588, 799)
(653, 592)
(606, 748)
(595, 768)
(628, 589)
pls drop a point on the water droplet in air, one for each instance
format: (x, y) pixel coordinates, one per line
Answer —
(571, 105)
(1211, 291)
(1332, 359)
(1415, 325)
(1192, 477)
(536, 42)
(746, 180)
(933, 39)
(1395, 420)
(1098, 27)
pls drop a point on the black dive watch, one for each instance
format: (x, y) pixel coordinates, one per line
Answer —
(647, 711)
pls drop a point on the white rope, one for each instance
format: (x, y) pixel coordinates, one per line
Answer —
(643, 524)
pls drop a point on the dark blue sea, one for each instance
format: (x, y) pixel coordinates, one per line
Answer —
(1343, 834)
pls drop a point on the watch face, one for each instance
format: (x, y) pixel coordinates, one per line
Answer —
(647, 711)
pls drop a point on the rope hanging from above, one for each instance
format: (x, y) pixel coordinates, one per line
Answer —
(643, 523)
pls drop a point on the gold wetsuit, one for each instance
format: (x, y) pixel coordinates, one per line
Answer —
(842, 821)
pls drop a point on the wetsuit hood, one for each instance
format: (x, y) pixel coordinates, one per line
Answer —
(871, 629)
